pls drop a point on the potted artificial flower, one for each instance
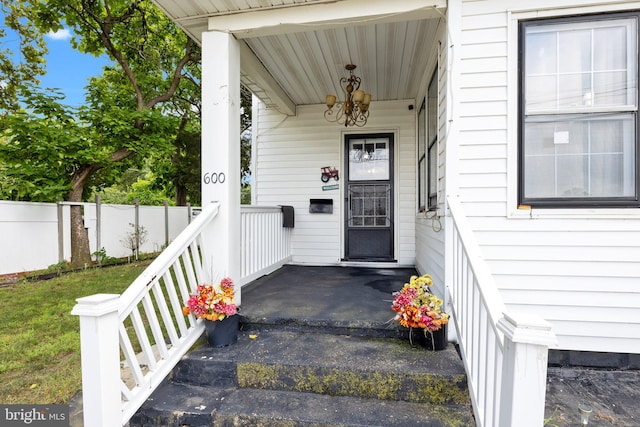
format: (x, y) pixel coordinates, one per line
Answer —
(216, 305)
(419, 310)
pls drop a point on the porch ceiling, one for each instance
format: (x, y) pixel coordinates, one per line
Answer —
(294, 51)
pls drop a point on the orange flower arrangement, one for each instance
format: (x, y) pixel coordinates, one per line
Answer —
(212, 302)
(417, 307)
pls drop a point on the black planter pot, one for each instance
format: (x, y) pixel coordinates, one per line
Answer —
(436, 340)
(223, 332)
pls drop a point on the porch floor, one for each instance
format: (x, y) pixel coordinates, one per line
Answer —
(343, 297)
(356, 297)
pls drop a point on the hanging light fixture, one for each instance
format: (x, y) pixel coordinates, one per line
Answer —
(355, 108)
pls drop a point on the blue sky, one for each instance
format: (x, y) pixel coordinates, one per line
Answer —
(68, 69)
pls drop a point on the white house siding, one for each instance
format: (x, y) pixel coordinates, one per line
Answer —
(289, 154)
(430, 233)
(579, 269)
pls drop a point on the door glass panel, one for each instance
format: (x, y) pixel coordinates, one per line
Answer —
(369, 159)
(369, 205)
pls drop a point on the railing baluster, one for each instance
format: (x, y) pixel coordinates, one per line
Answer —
(196, 258)
(126, 393)
(130, 356)
(189, 269)
(184, 288)
(166, 316)
(154, 324)
(143, 339)
(176, 305)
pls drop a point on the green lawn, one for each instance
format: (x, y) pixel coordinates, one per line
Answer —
(40, 339)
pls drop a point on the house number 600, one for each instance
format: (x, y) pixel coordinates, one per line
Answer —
(213, 178)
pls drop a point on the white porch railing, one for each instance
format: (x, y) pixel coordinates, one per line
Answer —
(504, 354)
(266, 245)
(130, 342)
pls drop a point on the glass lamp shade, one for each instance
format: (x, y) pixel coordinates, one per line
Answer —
(358, 96)
(330, 101)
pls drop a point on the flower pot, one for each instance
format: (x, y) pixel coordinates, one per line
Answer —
(223, 332)
(436, 340)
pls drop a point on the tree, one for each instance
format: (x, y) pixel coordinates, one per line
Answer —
(22, 61)
(246, 118)
(181, 173)
(154, 58)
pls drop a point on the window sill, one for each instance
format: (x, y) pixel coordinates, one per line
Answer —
(574, 213)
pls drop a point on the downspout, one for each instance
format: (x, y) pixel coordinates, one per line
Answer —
(454, 25)
(255, 125)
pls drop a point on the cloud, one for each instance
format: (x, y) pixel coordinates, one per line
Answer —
(63, 34)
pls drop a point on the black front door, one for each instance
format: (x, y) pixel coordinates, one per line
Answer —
(369, 197)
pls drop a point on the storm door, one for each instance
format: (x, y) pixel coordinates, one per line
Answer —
(369, 197)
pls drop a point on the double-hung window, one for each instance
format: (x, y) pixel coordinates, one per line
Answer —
(578, 134)
(432, 143)
(422, 161)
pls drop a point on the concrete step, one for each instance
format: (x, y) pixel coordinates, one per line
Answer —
(280, 377)
(362, 328)
(197, 406)
(339, 365)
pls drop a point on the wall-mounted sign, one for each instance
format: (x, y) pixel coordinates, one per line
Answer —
(328, 173)
(330, 187)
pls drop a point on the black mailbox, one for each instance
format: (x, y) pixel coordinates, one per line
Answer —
(321, 206)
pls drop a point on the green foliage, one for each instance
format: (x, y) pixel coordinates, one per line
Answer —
(145, 194)
(179, 173)
(43, 146)
(20, 63)
(245, 195)
(135, 185)
(127, 112)
(102, 258)
(246, 120)
(58, 268)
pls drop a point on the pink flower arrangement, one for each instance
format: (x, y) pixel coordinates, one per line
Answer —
(212, 302)
(417, 307)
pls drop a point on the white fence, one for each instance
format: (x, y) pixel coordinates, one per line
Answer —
(31, 237)
(504, 354)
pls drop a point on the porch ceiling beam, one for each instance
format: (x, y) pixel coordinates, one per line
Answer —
(257, 23)
(255, 71)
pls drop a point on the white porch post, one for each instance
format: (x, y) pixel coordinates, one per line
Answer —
(221, 153)
(100, 357)
(524, 377)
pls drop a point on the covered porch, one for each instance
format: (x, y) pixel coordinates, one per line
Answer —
(290, 55)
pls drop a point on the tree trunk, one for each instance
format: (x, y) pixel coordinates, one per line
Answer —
(80, 250)
(181, 194)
